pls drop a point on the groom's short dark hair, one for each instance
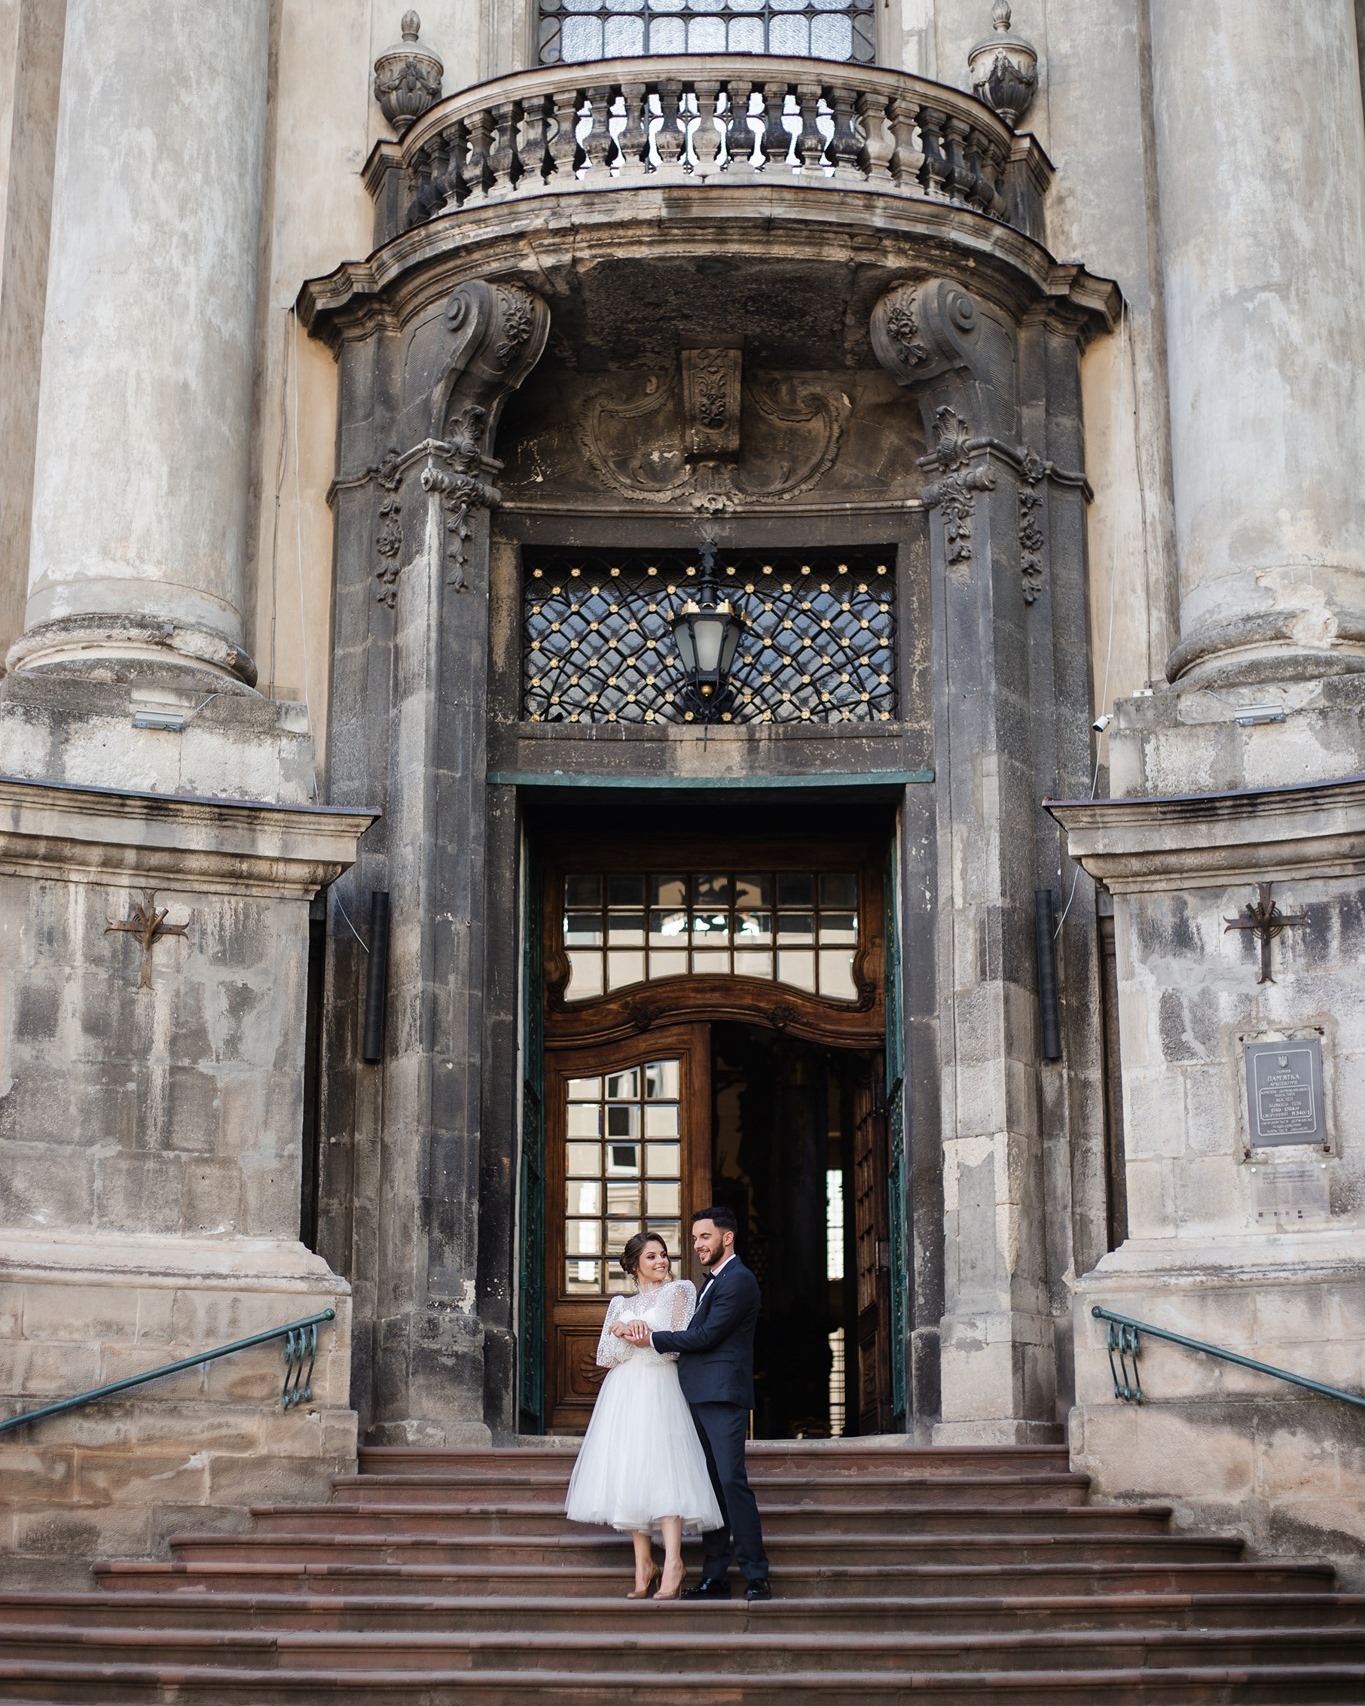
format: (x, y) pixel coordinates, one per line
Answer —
(720, 1218)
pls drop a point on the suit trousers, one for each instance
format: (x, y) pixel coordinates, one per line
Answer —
(722, 1428)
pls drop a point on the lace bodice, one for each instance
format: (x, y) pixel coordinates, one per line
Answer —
(667, 1308)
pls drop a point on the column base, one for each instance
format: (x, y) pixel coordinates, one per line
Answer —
(1314, 632)
(118, 648)
(225, 742)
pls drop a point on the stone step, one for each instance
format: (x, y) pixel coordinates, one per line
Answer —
(850, 1521)
(674, 1645)
(568, 1553)
(904, 1578)
(898, 1491)
(890, 1456)
(802, 1582)
(65, 1683)
(419, 1612)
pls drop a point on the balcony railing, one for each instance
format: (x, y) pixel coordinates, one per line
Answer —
(623, 123)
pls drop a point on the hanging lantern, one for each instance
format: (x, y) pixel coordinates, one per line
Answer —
(707, 632)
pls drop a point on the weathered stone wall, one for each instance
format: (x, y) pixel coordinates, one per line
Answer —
(1235, 1451)
(191, 1451)
(150, 1146)
(1253, 1248)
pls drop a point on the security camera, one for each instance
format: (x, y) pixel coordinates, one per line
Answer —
(1101, 723)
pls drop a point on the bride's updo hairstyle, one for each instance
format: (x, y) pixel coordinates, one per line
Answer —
(635, 1248)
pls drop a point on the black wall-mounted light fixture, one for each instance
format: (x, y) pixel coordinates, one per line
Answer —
(707, 633)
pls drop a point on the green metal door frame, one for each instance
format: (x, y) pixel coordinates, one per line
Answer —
(531, 1171)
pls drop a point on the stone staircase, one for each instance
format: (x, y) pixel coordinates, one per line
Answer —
(450, 1578)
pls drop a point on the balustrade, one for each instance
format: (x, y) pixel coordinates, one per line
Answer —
(686, 120)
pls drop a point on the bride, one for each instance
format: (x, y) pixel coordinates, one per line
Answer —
(641, 1465)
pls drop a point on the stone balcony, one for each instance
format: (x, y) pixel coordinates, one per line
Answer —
(717, 123)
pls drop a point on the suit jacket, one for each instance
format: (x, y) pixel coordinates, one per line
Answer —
(716, 1348)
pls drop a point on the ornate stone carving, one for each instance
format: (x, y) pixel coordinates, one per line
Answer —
(954, 495)
(517, 311)
(1032, 470)
(642, 447)
(1004, 69)
(711, 381)
(389, 536)
(452, 472)
(407, 78)
(920, 330)
(498, 332)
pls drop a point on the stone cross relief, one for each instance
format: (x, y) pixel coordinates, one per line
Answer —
(1265, 920)
(149, 925)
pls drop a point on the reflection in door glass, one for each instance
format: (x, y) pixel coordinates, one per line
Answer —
(645, 927)
(628, 1179)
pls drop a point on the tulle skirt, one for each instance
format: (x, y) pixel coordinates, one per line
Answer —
(640, 1458)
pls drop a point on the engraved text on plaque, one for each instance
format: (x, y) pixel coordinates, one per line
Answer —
(1284, 1092)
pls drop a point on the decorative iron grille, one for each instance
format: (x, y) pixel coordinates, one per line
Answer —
(818, 644)
(574, 31)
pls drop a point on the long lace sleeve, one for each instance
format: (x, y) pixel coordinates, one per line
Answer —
(680, 1303)
(610, 1349)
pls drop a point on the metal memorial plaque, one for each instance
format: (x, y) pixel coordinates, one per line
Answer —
(1289, 1193)
(1284, 1093)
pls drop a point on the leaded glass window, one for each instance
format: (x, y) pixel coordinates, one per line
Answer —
(818, 643)
(794, 927)
(575, 31)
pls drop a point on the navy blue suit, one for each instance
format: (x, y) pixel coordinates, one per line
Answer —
(716, 1372)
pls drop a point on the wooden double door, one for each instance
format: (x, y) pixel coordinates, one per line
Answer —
(627, 1146)
(642, 1131)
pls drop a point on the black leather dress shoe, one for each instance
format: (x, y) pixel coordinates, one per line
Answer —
(758, 1590)
(715, 1587)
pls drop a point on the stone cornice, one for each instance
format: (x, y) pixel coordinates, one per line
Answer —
(57, 830)
(557, 231)
(1135, 846)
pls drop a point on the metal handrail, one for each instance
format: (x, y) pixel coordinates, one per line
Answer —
(300, 1354)
(1127, 1343)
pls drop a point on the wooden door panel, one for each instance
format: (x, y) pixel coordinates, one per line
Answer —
(628, 1146)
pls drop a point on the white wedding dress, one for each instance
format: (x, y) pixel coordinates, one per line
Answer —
(640, 1458)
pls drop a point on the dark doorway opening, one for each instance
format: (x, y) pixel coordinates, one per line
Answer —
(790, 1119)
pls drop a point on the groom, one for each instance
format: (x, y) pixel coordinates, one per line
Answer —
(716, 1370)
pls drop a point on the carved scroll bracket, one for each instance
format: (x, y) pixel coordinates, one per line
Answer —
(493, 336)
(921, 331)
(497, 334)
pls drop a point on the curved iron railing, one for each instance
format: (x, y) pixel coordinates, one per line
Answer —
(300, 1353)
(1123, 1338)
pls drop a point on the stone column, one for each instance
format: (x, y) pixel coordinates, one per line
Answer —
(1261, 170)
(138, 551)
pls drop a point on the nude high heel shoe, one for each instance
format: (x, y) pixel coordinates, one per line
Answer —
(648, 1588)
(677, 1591)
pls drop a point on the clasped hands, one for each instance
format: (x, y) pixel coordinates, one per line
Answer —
(636, 1331)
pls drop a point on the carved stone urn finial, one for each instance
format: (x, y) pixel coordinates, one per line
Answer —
(407, 78)
(1004, 69)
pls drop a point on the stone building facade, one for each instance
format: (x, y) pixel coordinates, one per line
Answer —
(388, 923)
